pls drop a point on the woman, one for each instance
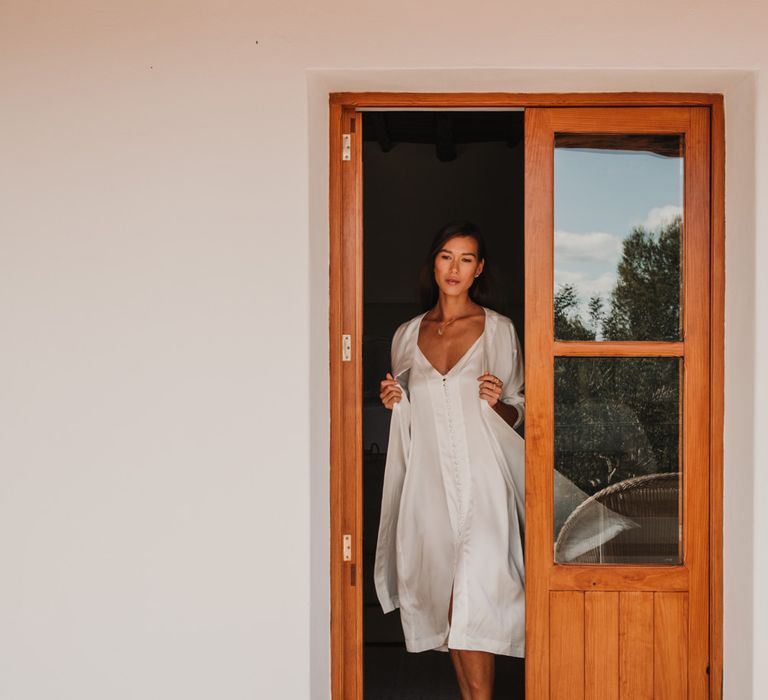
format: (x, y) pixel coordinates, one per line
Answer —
(450, 542)
(449, 550)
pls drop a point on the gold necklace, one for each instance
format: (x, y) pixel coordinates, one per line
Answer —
(443, 326)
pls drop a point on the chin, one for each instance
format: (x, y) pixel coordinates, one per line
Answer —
(454, 289)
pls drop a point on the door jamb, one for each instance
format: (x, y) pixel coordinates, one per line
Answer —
(345, 317)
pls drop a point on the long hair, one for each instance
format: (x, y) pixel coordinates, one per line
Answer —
(483, 289)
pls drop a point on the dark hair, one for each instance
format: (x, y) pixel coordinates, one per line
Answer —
(482, 290)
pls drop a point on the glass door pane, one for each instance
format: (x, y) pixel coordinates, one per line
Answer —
(618, 446)
(618, 220)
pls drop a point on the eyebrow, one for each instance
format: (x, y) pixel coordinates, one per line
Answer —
(446, 250)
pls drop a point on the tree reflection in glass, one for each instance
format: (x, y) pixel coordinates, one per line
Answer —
(617, 436)
(618, 236)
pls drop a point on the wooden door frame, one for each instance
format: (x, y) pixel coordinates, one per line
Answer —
(346, 315)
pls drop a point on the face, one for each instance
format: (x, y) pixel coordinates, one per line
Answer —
(456, 265)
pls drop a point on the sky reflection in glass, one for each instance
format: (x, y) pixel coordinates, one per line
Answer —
(600, 195)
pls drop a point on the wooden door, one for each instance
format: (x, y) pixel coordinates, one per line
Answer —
(617, 247)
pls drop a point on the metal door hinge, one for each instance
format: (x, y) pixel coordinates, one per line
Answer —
(347, 547)
(346, 147)
(346, 348)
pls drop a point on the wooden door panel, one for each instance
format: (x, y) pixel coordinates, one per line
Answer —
(636, 646)
(629, 628)
(566, 634)
(670, 645)
(601, 645)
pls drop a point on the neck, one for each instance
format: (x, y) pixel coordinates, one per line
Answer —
(453, 307)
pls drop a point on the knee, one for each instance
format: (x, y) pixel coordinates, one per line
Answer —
(479, 682)
(476, 686)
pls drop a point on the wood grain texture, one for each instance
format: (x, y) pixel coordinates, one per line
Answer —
(636, 646)
(433, 100)
(638, 348)
(351, 397)
(615, 577)
(539, 380)
(356, 130)
(670, 646)
(601, 646)
(692, 577)
(696, 396)
(346, 413)
(638, 120)
(566, 644)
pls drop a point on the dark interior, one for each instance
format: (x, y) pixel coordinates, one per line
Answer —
(422, 169)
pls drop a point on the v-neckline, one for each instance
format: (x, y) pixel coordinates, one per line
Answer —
(464, 355)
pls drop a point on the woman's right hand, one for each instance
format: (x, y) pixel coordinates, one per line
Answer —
(391, 392)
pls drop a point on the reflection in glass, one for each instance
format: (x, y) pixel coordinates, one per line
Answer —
(617, 437)
(618, 220)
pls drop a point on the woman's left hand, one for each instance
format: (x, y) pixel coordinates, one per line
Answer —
(490, 388)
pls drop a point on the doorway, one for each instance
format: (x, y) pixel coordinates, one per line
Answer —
(667, 608)
(422, 169)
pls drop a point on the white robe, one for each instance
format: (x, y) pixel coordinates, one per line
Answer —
(453, 506)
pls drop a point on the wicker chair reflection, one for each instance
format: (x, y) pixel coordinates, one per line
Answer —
(652, 501)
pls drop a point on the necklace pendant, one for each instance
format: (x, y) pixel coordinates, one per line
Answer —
(440, 331)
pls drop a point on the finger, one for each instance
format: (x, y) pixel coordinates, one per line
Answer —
(392, 400)
(487, 394)
(490, 378)
(390, 393)
(389, 376)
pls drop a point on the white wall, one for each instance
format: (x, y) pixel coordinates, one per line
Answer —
(163, 310)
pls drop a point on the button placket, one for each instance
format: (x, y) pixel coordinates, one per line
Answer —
(454, 451)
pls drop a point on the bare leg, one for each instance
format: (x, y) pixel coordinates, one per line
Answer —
(461, 677)
(479, 668)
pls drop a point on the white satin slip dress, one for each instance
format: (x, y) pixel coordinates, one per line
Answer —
(458, 520)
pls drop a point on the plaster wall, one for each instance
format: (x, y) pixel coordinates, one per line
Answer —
(163, 306)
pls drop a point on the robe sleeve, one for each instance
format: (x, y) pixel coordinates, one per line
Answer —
(398, 449)
(511, 368)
